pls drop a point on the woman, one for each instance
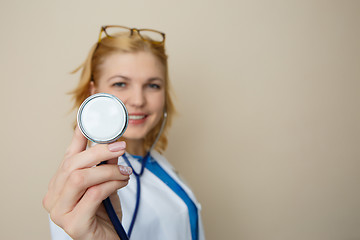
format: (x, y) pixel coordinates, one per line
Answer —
(132, 65)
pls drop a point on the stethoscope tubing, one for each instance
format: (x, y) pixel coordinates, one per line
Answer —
(110, 209)
(138, 187)
(114, 219)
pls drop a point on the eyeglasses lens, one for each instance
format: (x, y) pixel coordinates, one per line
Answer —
(152, 36)
(117, 31)
(147, 35)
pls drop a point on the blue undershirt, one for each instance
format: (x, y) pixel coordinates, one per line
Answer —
(158, 171)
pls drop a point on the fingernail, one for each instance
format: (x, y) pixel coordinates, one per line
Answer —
(125, 170)
(117, 146)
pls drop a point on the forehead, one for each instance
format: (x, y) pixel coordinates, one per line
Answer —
(135, 65)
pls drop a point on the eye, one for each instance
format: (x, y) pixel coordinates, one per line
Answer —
(154, 86)
(119, 84)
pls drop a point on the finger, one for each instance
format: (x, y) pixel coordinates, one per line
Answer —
(113, 161)
(94, 196)
(97, 154)
(79, 181)
(115, 201)
(78, 143)
(85, 159)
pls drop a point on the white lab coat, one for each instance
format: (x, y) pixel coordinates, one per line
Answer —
(162, 214)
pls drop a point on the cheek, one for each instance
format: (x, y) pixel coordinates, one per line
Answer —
(160, 103)
(157, 106)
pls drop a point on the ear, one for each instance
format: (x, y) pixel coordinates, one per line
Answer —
(92, 88)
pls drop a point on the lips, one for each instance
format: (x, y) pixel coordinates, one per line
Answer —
(137, 118)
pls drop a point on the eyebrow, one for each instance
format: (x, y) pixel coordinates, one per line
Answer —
(119, 76)
(155, 79)
(152, 79)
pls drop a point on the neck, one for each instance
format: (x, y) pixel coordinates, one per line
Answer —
(135, 147)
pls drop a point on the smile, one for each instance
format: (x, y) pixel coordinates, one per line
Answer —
(136, 117)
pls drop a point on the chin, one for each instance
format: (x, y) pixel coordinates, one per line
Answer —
(132, 135)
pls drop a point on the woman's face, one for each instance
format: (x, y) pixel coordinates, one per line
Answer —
(138, 80)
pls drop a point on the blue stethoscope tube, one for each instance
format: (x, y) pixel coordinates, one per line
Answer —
(110, 209)
(114, 219)
(138, 187)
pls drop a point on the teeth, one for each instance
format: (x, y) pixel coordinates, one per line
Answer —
(136, 117)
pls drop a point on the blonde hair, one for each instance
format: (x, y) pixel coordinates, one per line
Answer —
(125, 44)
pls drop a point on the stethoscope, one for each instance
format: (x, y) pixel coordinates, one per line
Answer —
(103, 118)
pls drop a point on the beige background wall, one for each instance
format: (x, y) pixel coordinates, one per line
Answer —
(268, 93)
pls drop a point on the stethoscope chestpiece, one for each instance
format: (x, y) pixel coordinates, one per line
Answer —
(102, 118)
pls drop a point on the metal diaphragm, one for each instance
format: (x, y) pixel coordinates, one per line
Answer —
(102, 118)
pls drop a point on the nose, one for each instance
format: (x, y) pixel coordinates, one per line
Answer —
(136, 98)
